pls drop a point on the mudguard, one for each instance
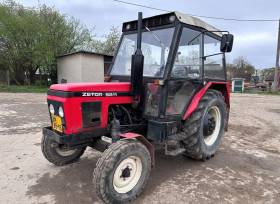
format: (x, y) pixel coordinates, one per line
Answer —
(223, 87)
(144, 141)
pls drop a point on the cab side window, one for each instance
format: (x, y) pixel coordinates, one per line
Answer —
(188, 57)
(213, 65)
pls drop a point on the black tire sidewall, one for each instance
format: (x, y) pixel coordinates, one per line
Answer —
(52, 155)
(144, 155)
(211, 149)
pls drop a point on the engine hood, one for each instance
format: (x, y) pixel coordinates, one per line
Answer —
(98, 87)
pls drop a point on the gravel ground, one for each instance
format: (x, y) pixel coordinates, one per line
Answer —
(246, 168)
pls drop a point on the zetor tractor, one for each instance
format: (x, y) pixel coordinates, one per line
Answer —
(166, 88)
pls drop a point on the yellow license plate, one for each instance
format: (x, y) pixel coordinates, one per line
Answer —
(57, 123)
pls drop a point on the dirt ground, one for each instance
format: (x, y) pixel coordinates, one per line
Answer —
(246, 168)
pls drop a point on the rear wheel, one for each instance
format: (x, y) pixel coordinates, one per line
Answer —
(205, 127)
(59, 154)
(122, 171)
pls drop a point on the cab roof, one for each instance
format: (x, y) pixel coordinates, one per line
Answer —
(194, 21)
(164, 19)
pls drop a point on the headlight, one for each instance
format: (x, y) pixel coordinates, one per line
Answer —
(60, 112)
(51, 109)
(172, 18)
(128, 26)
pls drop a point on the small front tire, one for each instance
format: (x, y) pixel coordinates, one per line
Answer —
(58, 154)
(122, 171)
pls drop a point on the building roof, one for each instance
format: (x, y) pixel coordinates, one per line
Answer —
(187, 19)
(83, 52)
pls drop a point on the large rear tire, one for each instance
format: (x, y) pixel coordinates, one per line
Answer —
(58, 154)
(122, 171)
(205, 127)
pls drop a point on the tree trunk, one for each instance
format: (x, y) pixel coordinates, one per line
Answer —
(32, 76)
(8, 77)
(15, 80)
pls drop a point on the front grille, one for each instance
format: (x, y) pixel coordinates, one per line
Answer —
(91, 114)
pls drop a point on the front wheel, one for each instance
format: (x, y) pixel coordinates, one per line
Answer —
(122, 171)
(59, 154)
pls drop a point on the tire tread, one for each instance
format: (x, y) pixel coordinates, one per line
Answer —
(191, 127)
(105, 164)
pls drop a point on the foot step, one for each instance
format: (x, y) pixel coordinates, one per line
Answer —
(174, 149)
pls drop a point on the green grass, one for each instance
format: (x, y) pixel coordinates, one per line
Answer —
(271, 93)
(23, 89)
(254, 91)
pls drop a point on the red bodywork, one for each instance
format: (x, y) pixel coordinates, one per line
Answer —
(72, 105)
(223, 87)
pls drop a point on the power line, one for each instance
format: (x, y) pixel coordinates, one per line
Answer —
(140, 5)
(200, 16)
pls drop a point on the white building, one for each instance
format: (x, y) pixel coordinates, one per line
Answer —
(82, 66)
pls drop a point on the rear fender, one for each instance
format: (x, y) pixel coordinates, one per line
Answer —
(223, 87)
(143, 140)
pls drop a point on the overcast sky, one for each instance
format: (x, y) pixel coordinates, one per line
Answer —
(256, 41)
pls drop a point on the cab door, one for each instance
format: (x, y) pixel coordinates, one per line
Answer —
(186, 72)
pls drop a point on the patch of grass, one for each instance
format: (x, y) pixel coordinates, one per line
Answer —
(256, 91)
(23, 89)
(271, 93)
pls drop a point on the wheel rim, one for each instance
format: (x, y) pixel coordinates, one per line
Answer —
(211, 126)
(63, 151)
(127, 174)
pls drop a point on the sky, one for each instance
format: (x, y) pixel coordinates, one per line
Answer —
(256, 41)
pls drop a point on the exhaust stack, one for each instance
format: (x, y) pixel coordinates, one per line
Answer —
(137, 63)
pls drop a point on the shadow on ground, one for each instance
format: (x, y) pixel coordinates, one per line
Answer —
(73, 183)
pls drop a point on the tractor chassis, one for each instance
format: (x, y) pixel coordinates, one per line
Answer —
(75, 140)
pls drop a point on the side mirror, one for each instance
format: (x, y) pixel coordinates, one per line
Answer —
(226, 43)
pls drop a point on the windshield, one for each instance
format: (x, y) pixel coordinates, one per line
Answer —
(155, 48)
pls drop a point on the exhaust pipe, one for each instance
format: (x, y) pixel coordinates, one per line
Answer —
(137, 64)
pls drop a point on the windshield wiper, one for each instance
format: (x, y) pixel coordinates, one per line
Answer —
(155, 36)
(204, 57)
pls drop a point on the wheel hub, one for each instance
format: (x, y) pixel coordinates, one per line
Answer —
(62, 150)
(211, 125)
(127, 174)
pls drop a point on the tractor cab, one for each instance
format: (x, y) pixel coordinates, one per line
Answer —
(181, 54)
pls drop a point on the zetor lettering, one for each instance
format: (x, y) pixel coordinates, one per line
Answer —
(98, 94)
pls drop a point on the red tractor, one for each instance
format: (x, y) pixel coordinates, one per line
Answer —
(167, 87)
